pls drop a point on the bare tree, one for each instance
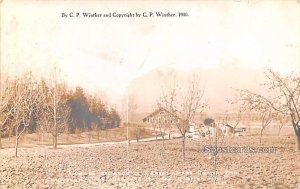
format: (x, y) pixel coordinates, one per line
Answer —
(97, 130)
(162, 125)
(266, 116)
(232, 121)
(265, 113)
(137, 131)
(26, 98)
(283, 120)
(56, 108)
(158, 123)
(185, 108)
(235, 119)
(283, 99)
(215, 140)
(7, 105)
(154, 127)
(166, 120)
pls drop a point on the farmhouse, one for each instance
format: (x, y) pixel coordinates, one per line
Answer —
(227, 129)
(210, 128)
(161, 116)
(193, 131)
(207, 131)
(167, 122)
(162, 120)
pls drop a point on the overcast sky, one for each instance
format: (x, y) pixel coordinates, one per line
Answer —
(107, 53)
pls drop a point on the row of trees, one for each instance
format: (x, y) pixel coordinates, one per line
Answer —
(28, 104)
(281, 98)
(279, 101)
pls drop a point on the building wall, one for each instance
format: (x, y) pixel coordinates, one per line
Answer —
(162, 117)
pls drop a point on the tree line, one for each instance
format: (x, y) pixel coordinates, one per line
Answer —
(28, 104)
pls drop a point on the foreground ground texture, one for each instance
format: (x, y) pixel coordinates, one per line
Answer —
(148, 165)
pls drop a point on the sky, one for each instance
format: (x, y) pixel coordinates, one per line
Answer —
(107, 54)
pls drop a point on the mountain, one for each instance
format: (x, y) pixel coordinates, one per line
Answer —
(219, 83)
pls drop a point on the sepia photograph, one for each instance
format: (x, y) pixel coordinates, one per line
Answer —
(151, 94)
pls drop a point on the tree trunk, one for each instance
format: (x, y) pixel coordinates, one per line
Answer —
(297, 137)
(261, 132)
(139, 135)
(0, 141)
(54, 115)
(17, 144)
(98, 135)
(215, 167)
(297, 144)
(163, 138)
(183, 147)
(278, 134)
(18, 135)
(55, 142)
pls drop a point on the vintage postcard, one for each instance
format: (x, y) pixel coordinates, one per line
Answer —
(150, 94)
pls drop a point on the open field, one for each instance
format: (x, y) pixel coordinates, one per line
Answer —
(272, 130)
(46, 139)
(147, 165)
(119, 134)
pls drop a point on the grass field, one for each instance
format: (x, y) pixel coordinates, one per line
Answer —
(108, 135)
(118, 134)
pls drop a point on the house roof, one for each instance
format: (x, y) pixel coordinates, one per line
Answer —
(226, 125)
(156, 112)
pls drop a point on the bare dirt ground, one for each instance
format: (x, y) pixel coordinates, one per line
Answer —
(147, 165)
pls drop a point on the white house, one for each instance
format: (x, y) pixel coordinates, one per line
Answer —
(241, 131)
(207, 131)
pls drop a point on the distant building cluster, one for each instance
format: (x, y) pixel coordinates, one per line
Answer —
(162, 118)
